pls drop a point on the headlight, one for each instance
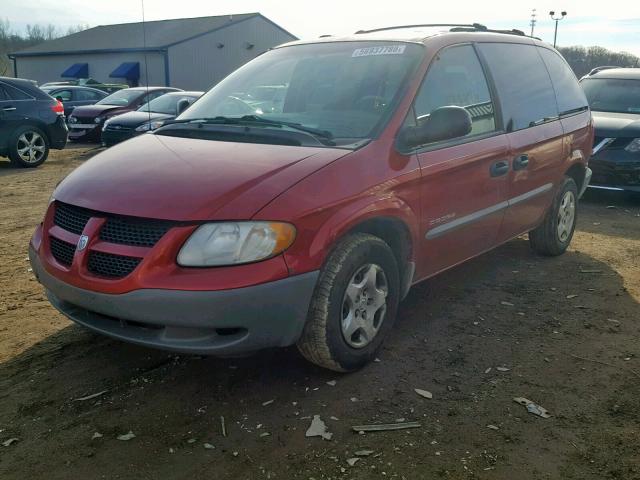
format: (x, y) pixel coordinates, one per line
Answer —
(234, 243)
(149, 126)
(634, 146)
(73, 120)
(98, 119)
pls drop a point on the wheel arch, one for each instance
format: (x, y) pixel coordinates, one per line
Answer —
(577, 172)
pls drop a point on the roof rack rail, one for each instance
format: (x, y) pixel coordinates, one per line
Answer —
(475, 26)
(455, 27)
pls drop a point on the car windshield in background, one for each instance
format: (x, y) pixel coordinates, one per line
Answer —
(612, 95)
(165, 104)
(121, 98)
(348, 89)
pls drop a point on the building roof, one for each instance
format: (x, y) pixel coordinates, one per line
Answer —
(158, 35)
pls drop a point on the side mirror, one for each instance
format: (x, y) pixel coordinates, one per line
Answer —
(444, 123)
(182, 105)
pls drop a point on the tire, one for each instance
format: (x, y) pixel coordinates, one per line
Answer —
(28, 147)
(335, 335)
(554, 235)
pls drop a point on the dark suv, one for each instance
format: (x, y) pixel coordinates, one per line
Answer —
(614, 96)
(31, 122)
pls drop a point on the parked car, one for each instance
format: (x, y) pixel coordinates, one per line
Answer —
(614, 96)
(73, 96)
(85, 123)
(396, 154)
(31, 122)
(89, 82)
(147, 118)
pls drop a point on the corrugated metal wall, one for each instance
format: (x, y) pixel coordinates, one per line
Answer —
(199, 64)
(48, 68)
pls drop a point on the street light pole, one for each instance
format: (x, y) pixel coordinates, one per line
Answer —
(533, 20)
(556, 19)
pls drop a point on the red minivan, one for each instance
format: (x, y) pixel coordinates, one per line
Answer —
(304, 216)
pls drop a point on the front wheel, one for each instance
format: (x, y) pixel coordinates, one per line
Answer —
(28, 147)
(554, 235)
(354, 304)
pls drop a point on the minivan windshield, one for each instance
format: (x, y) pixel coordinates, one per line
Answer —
(120, 98)
(612, 95)
(346, 89)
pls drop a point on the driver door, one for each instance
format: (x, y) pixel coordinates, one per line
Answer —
(463, 180)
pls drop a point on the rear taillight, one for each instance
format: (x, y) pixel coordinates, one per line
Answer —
(58, 108)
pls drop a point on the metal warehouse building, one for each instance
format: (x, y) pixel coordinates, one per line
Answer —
(189, 53)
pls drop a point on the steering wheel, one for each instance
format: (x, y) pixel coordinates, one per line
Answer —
(371, 102)
(233, 105)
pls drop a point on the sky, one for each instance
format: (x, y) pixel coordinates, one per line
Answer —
(614, 24)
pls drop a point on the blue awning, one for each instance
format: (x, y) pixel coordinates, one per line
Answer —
(128, 70)
(77, 70)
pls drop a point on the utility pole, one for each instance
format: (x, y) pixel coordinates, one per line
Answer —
(556, 19)
(533, 20)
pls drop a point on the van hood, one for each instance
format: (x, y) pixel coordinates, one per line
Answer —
(184, 179)
(615, 125)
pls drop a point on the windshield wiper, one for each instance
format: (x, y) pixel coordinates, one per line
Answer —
(249, 120)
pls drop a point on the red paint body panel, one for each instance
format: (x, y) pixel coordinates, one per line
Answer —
(183, 179)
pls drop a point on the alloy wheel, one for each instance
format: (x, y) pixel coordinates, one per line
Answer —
(364, 305)
(566, 216)
(31, 147)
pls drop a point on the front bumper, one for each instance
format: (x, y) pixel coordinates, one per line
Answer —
(85, 134)
(616, 169)
(225, 322)
(112, 137)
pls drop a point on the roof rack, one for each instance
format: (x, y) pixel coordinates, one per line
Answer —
(455, 27)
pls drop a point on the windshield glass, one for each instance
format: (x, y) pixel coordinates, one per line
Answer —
(612, 95)
(121, 97)
(165, 104)
(348, 89)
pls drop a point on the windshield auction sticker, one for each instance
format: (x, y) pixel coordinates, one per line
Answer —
(382, 50)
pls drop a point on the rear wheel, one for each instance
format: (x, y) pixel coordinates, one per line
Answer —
(554, 235)
(28, 147)
(353, 306)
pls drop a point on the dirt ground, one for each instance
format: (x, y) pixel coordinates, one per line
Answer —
(566, 329)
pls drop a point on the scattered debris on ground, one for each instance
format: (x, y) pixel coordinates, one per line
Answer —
(532, 407)
(318, 429)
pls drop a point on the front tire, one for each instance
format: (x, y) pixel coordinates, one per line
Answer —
(553, 236)
(354, 304)
(28, 147)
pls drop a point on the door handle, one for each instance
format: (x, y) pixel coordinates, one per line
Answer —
(499, 168)
(9, 109)
(521, 162)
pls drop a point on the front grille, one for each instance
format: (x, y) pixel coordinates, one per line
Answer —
(111, 266)
(62, 251)
(117, 128)
(136, 232)
(72, 219)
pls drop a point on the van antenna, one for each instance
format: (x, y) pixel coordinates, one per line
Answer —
(146, 67)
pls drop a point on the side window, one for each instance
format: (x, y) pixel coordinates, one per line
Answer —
(522, 82)
(16, 94)
(3, 94)
(455, 78)
(87, 95)
(63, 95)
(569, 94)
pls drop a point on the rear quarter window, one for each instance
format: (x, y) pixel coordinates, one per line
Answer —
(569, 95)
(523, 84)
